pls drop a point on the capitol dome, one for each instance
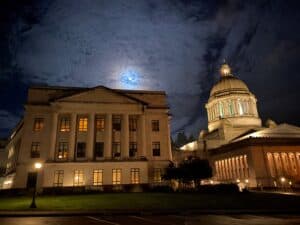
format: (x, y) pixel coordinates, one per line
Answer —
(231, 102)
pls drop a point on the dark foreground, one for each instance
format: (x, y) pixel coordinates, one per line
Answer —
(162, 220)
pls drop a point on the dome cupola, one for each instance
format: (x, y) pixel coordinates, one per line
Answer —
(232, 102)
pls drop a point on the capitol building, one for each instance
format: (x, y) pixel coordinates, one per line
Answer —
(93, 138)
(239, 148)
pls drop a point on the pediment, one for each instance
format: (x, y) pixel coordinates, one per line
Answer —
(98, 95)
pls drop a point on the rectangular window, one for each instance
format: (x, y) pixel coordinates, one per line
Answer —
(97, 177)
(155, 125)
(132, 123)
(116, 150)
(116, 123)
(83, 124)
(78, 178)
(116, 176)
(132, 149)
(80, 153)
(99, 148)
(62, 152)
(64, 124)
(58, 178)
(35, 150)
(157, 175)
(155, 148)
(38, 124)
(100, 121)
(135, 175)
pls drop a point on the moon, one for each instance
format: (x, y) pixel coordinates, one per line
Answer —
(130, 79)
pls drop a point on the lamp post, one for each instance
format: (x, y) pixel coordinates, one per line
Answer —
(37, 166)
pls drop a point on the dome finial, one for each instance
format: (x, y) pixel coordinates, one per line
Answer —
(225, 69)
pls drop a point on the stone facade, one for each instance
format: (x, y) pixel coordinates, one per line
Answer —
(90, 137)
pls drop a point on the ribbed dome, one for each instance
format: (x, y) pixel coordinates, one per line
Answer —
(229, 84)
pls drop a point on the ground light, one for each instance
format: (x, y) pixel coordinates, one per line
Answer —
(37, 167)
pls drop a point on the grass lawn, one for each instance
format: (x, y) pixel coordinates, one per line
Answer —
(155, 201)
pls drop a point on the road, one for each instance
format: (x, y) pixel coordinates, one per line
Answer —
(160, 220)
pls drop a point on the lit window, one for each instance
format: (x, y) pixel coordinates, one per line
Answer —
(116, 150)
(64, 124)
(58, 178)
(157, 175)
(231, 111)
(99, 148)
(98, 177)
(132, 149)
(78, 178)
(155, 125)
(116, 176)
(135, 175)
(62, 152)
(155, 148)
(83, 124)
(100, 124)
(240, 107)
(221, 110)
(116, 123)
(35, 150)
(80, 153)
(132, 123)
(38, 124)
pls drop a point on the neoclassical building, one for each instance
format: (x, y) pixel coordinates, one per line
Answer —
(92, 137)
(238, 147)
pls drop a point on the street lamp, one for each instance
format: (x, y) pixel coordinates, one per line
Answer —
(37, 166)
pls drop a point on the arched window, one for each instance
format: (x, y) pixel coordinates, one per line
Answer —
(221, 109)
(230, 107)
(240, 107)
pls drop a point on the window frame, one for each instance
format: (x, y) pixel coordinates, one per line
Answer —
(64, 151)
(59, 177)
(83, 124)
(100, 123)
(116, 176)
(65, 124)
(35, 150)
(38, 124)
(81, 153)
(98, 179)
(80, 178)
(135, 175)
(155, 125)
(156, 148)
(97, 144)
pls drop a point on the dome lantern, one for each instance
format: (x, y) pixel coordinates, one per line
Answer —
(225, 70)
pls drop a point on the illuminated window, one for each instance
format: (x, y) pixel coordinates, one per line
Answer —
(132, 149)
(285, 162)
(116, 150)
(221, 110)
(58, 178)
(38, 124)
(98, 177)
(83, 124)
(80, 153)
(78, 178)
(64, 124)
(155, 125)
(155, 148)
(99, 148)
(240, 107)
(135, 175)
(116, 176)
(100, 121)
(157, 175)
(231, 111)
(62, 152)
(35, 150)
(116, 123)
(132, 123)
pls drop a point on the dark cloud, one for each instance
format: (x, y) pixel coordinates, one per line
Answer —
(173, 45)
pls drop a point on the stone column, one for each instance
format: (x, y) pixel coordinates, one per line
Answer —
(90, 137)
(107, 136)
(72, 136)
(52, 144)
(142, 137)
(169, 139)
(125, 136)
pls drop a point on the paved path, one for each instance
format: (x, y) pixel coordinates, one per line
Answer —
(160, 220)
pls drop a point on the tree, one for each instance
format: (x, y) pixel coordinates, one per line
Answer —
(181, 139)
(193, 169)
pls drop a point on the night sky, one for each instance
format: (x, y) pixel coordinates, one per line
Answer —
(171, 45)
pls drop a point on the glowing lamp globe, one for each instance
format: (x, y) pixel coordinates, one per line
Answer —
(38, 165)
